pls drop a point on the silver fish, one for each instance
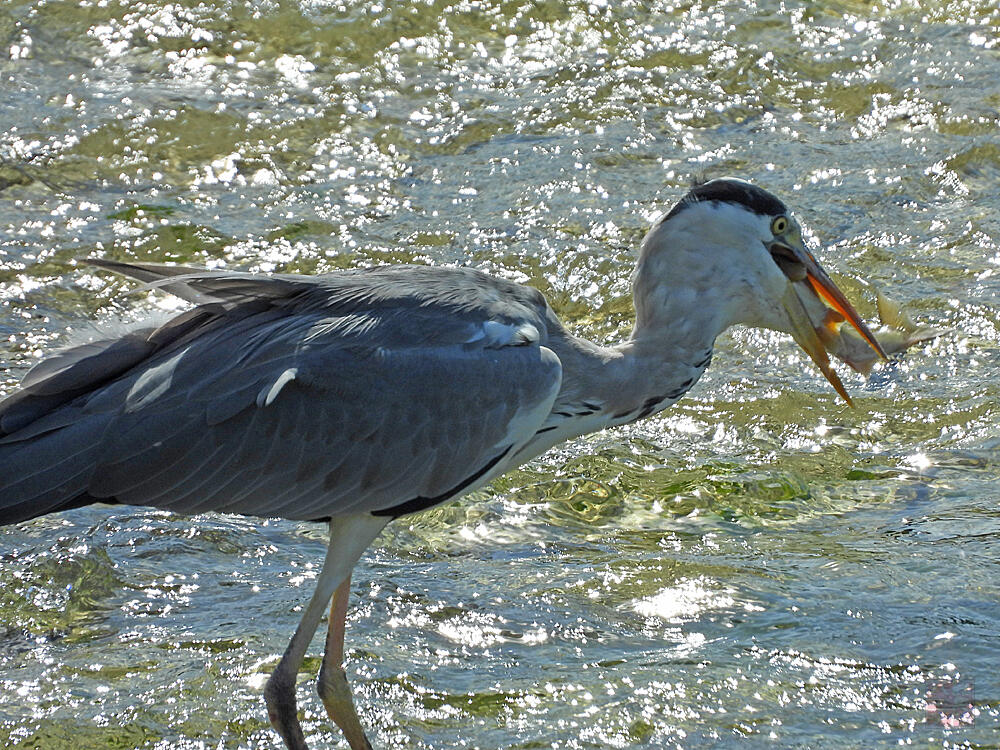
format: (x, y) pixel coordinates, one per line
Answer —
(897, 333)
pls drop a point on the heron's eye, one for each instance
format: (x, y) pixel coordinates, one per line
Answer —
(779, 225)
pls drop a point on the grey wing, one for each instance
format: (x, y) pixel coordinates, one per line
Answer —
(331, 432)
(303, 415)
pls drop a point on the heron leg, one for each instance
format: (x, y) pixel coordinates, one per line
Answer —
(332, 685)
(348, 539)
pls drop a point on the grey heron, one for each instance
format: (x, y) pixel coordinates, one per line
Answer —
(358, 397)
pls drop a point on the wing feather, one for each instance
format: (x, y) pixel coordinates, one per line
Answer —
(293, 396)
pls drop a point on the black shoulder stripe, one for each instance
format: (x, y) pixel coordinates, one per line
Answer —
(422, 503)
(28, 510)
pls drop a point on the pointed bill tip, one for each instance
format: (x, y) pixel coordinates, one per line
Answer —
(839, 387)
(817, 353)
(828, 291)
(805, 333)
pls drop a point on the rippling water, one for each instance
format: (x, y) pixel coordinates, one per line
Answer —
(759, 564)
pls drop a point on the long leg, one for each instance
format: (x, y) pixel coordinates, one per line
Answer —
(348, 539)
(332, 685)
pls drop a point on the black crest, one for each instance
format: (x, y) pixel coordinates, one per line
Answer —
(729, 190)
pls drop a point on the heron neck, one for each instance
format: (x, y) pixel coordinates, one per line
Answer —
(680, 309)
(614, 385)
(637, 377)
(668, 351)
(680, 332)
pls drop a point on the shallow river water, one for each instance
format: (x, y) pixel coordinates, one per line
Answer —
(759, 565)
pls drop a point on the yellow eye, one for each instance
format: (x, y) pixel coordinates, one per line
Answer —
(779, 225)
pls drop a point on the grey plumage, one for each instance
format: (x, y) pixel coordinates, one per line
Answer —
(364, 395)
(260, 400)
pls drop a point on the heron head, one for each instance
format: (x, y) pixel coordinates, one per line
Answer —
(732, 253)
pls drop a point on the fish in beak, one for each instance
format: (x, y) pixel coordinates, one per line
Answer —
(896, 333)
(816, 307)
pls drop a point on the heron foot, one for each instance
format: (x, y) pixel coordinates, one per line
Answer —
(335, 692)
(279, 694)
(348, 539)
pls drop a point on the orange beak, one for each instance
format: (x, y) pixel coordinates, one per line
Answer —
(812, 281)
(824, 287)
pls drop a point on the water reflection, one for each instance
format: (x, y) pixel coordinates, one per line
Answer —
(686, 601)
(759, 562)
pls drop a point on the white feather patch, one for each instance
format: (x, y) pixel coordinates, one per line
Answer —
(499, 334)
(267, 395)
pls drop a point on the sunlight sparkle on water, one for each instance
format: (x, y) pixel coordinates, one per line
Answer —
(701, 562)
(685, 600)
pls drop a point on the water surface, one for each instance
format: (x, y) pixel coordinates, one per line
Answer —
(757, 565)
